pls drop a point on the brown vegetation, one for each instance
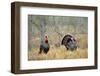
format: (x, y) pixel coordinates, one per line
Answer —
(60, 52)
(57, 53)
(56, 27)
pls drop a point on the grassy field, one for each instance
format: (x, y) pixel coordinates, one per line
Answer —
(57, 53)
(60, 52)
(55, 28)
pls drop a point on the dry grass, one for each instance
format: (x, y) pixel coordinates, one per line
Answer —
(57, 53)
(82, 41)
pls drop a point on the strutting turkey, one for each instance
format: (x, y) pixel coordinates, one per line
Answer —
(44, 46)
(69, 42)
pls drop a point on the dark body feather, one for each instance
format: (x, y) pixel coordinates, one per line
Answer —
(69, 42)
(44, 47)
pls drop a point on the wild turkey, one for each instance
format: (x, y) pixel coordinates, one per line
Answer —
(44, 46)
(69, 42)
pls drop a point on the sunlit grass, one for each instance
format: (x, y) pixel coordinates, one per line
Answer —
(57, 53)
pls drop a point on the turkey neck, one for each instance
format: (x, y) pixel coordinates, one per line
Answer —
(46, 41)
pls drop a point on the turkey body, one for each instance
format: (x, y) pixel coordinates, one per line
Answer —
(44, 47)
(69, 42)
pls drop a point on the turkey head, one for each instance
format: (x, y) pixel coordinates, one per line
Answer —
(44, 46)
